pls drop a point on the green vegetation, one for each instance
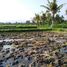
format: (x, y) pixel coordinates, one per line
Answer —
(53, 8)
(47, 21)
(16, 27)
(51, 20)
(32, 27)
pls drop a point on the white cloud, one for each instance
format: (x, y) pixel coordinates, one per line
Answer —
(12, 10)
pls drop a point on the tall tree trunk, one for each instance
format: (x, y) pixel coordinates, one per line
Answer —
(52, 21)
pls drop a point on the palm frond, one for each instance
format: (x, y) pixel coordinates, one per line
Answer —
(59, 7)
(45, 7)
(48, 1)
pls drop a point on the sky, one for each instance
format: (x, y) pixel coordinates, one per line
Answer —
(22, 10)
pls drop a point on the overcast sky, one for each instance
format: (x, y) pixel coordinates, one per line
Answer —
(22, 10)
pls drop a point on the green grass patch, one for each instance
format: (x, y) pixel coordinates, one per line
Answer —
(32, 27)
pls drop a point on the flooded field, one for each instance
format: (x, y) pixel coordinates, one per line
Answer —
(33, 49)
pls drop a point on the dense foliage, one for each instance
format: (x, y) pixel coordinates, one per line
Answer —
(51, 15)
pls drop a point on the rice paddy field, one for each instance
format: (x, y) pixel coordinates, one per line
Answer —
(30, 45)
(6, 27)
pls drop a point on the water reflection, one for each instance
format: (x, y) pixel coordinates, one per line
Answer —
(7, 47)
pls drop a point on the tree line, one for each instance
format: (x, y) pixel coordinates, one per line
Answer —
(51, 16)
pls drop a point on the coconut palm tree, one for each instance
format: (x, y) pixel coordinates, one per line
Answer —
(37, 19)
(59, 19)
(43, 18)
(53, 8)
(48, 17)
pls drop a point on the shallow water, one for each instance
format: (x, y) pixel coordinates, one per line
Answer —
(7, 46)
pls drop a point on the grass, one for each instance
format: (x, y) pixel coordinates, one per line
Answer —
(32, 27)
